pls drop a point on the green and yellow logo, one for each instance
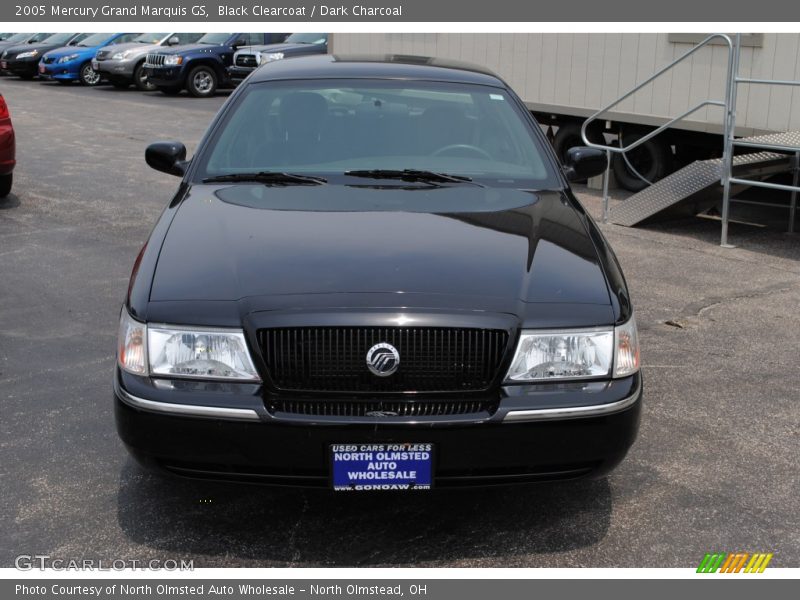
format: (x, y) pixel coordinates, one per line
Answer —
(734, 562)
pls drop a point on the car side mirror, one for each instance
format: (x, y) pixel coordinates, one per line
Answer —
(173, 41)
(167, 157)
(583, 162)
(239, 43)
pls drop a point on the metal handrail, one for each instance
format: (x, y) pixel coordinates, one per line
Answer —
(730, 142)
(623, 149)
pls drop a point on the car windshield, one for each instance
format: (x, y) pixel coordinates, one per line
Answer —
(59, 38)
(214, 38)
(18, 37)
(331, 127)
(150, 38)
(94, 40)
(306, 38)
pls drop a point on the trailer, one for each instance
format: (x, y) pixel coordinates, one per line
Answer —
(564, 78)
(682, 115)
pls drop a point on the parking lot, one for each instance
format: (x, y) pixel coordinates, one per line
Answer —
(715, 467)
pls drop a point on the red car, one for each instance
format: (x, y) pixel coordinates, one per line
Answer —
(7, 149)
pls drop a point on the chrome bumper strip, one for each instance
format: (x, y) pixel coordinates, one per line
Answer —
(573, 412)
(187, 410)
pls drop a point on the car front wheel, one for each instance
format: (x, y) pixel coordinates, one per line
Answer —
(202, 82)
(140, 80)
(88, 75)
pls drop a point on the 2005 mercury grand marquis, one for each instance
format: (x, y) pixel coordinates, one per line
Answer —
(374, 275)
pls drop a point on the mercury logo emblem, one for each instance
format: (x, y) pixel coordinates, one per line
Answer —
(383, 359)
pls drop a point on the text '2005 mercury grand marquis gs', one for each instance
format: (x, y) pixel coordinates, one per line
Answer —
(374, 275)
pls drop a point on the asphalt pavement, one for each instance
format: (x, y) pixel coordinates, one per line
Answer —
(715, 467)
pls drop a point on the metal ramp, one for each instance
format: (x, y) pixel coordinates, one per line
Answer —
(695, 188)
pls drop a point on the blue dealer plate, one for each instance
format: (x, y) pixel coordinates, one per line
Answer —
(369, 467)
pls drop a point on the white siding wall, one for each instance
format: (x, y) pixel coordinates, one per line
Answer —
(589, 70)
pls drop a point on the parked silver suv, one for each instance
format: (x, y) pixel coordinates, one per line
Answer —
(122, 64)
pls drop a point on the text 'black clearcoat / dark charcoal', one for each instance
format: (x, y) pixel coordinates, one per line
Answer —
(374, 276)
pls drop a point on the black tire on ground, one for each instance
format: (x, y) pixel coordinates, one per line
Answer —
(140, 79)
(88, 76)
(569, 135)
(653, 160)
(5, 184)
(202, 81)
(170, 91)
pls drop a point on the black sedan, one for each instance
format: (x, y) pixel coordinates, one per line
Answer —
(23, 61)
(374, 275)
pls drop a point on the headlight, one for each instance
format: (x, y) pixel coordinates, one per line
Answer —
(197, 353)
(575, 354)
(121, 55)
(29, 54)
(265, 58)
(66, 59)
(173, 60)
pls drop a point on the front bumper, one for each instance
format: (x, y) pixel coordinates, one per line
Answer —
(165, 76)
(224, 431)
(238, 74)
(24, 67)
(64, 71)
(120, 69)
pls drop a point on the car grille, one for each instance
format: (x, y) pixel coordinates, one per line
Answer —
(333, 359)
(396, 408)
(102, 54)
(155, 60)
(246, 60)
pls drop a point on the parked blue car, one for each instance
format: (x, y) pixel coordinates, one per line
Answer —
(74, 63)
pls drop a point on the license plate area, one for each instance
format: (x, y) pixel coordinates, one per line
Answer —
(381, 467)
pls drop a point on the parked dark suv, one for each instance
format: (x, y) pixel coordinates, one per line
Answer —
(374, 275)
(246, 60)
(200, 68)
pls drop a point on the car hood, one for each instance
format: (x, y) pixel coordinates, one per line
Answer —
(226, 243)
(42, 48)
(282, 47)
(67, 50)
(142, 48)
(187, 48)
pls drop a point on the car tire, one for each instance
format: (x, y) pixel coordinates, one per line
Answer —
(88, 76)
(652, 159)
(140, 80)
(202, 82)
(5, 184)
(170, 91)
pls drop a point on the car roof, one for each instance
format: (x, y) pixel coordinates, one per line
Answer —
(388, 66)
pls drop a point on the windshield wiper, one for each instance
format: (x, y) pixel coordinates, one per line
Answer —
(268, 177)
(413, 175)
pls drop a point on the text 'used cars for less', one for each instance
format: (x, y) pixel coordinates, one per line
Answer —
(374, 275)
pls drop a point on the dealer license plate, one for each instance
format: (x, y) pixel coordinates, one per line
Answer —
(371, 467)
(41, 69)
(94, 64)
